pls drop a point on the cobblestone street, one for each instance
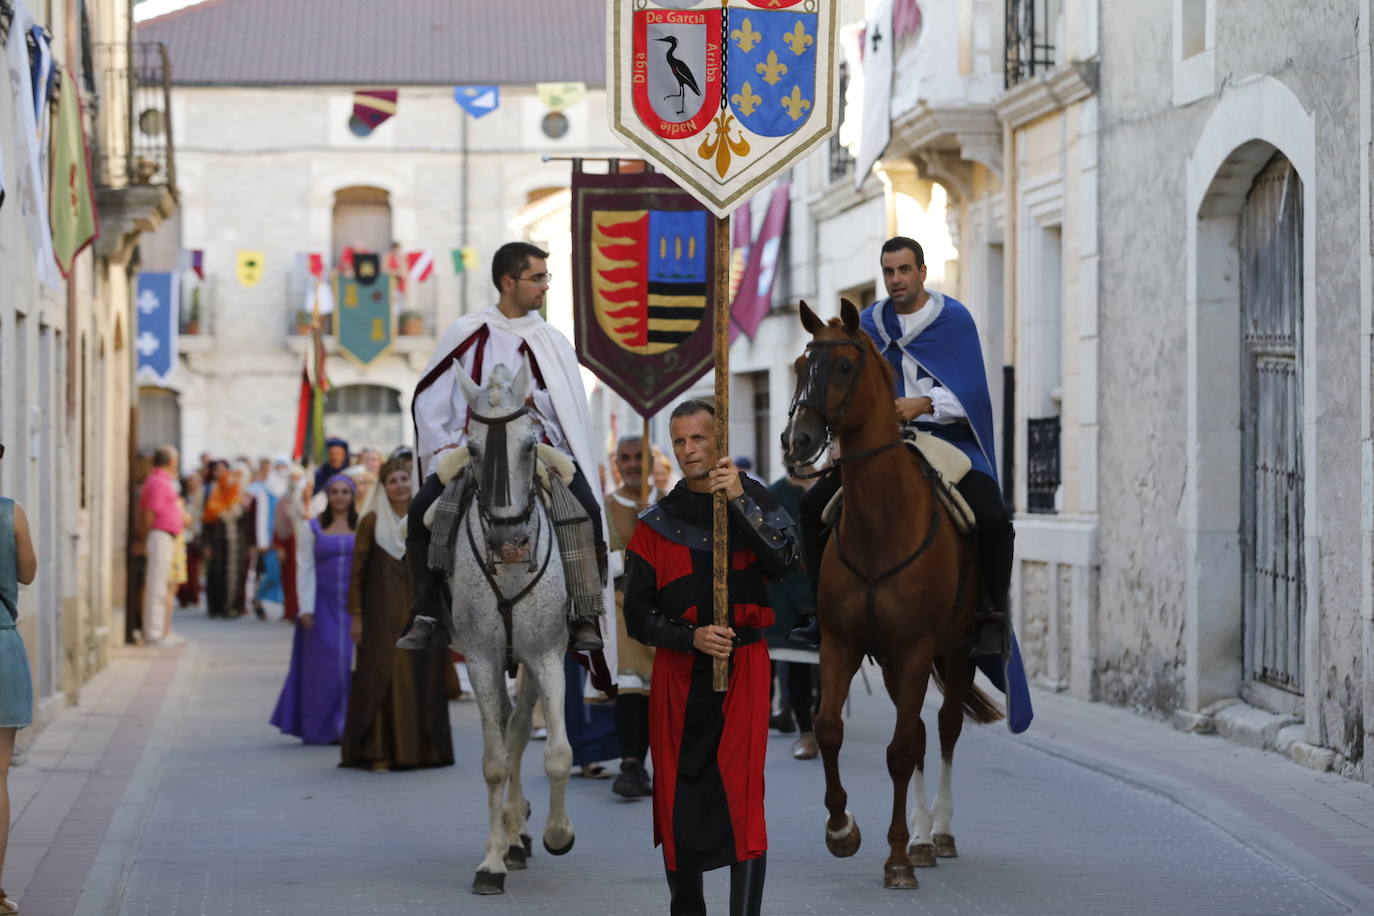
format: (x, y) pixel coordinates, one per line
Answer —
(166, 792)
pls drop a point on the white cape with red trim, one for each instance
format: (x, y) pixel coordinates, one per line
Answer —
(563, 380)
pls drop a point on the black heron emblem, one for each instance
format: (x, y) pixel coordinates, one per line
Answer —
(682, 73)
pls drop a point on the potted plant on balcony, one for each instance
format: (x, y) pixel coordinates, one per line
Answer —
(193, 315)
(412, 323)
(303, 320)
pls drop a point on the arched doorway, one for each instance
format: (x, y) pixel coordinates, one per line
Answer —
(365, 415)
(362, 219)
(1271, 247)
(1251, 376)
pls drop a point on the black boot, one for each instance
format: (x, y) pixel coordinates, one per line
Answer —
(808, 634)
(746, 886)
(633, 781)
(428, 611)
(686, 897)
(584, 636)
(992, 619)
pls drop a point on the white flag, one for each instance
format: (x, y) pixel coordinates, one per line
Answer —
(877, 75)
(30, 190)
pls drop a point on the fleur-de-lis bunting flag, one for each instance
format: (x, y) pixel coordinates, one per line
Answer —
(722, 94)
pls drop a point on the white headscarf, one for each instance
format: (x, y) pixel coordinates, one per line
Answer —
(390, 532)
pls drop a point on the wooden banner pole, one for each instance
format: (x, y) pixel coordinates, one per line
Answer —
(647, 463)
(720, 526)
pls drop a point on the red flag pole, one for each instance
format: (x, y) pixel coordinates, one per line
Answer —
(720, 528)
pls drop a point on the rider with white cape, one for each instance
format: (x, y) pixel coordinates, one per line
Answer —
(509, 333)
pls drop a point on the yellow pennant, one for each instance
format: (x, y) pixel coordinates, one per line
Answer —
(250, 267)
(558, 96)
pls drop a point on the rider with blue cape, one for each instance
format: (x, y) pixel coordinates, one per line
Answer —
(932, 344)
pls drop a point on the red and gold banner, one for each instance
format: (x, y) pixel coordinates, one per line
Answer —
(643, 270)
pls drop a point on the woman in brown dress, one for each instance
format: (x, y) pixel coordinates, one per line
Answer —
(397, 708)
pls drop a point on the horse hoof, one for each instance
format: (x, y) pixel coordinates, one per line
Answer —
(516, 859)
(844, 842)
(944, 846)
(922, 855)
(899, 878)
(561, 852)
(528, 842)
(485, 882)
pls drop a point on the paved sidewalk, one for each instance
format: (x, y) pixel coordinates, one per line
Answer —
(168, 793)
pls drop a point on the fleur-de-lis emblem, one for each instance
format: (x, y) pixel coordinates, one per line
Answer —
(772, 69)
(721, 147)
(796, 105)
(745, 100)
(798, 40)
(745, 36)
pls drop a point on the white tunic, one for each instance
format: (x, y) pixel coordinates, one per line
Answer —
(917, 381)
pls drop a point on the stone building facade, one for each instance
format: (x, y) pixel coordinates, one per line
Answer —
(66, 355)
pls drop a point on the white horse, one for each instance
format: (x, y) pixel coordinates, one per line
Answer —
(506, 556)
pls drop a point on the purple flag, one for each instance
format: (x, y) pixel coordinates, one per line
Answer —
(755, 296)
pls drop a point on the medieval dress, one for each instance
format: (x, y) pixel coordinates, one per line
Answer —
(315, 696)
(708, 748)
(397, 709)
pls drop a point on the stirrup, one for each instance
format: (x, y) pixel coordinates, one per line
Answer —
(991, 634)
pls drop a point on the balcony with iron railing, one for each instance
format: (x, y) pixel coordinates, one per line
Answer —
(132, 150)
(1030, 32)
(1042, 465)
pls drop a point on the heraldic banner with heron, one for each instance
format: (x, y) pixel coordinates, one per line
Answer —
(723, 94)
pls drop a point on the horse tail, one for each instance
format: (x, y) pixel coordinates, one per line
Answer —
(980, 708)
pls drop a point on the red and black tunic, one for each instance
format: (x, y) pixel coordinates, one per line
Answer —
(708, 748)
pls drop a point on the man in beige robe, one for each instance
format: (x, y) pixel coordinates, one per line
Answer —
(636, 660)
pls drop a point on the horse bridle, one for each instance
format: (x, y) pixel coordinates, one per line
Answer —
(496, 468)
(812, 393)
(496, 472)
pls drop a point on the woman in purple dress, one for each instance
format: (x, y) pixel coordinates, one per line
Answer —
(314, 699)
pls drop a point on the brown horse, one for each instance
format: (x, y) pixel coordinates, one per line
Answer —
(897, 582)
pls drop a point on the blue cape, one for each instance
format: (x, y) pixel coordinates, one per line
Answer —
(949, 350)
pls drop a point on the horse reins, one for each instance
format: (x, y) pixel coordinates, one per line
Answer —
(813, 389)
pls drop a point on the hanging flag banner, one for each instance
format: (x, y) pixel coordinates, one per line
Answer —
(156, 341)
(906, 20)
(876, 47)
(477, 100)
(71, 200)
(558, 96)
(364, 320)
(419, 265)
(373, 106)
(30, 189)
(755, 296)
(367, 267)
(741, 230)
(722, 96)
(642, 293)
(250, 267)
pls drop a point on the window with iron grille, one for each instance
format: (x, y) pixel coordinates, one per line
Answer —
(841, 163)
(1029, 38)
(1042, 463)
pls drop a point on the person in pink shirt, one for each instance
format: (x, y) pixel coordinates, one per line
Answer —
(160, 519)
